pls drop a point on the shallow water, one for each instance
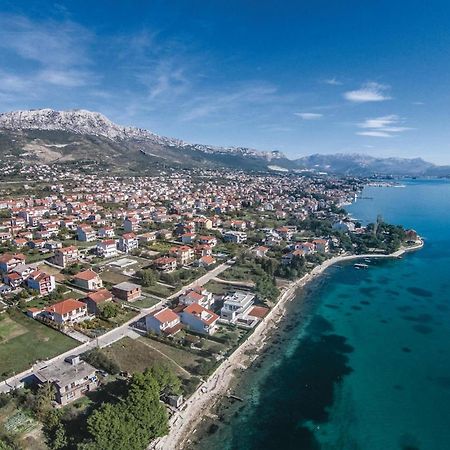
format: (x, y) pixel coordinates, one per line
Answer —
(371, 369)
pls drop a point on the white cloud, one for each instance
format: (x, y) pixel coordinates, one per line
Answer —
(385, 126)
(309, 116)
(333, 81)
(374, 134)
(369, 92)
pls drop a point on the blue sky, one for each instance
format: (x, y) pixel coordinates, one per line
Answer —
(301, 77)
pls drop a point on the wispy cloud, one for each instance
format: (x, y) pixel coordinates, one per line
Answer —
(253, 94)
(369, 92)
(333, 81)
(382, 134)
(308, 115)
(385, 126)
(50, 55)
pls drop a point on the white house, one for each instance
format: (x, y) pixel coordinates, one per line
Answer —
(128, 242)
(199, 319)
(236, 305)
(41, 282)
(66, 312)
(86, 233)
(196, 295)
(107, 248)
(163, 321)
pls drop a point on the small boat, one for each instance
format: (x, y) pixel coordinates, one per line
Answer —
(360, 266)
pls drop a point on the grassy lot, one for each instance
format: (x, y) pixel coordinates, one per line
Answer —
(145, 302)
(73, 294)
(160, 246)
(32, 341)
(158, 290)
(41, 302)
(97, 326)
(50, 269)
(216, 288)
(32, 258)
(239, 273)
(184, 358)
(134, 356)
(79, 244)
(233, 335)
(111, 276)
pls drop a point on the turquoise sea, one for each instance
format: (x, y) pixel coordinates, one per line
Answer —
(366, 365)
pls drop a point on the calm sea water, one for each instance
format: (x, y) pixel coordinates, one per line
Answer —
(371, 368)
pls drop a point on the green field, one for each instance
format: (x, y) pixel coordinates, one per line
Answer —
(135, 356)
(23, 341)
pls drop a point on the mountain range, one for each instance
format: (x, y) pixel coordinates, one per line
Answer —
(50, 136)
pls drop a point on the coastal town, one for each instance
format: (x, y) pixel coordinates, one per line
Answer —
(108, 276)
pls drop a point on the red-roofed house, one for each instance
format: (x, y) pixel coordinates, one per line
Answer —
(88, 279)
(86, 233)
(41, 282)
(8, 261)
(321, 245)
(127, 242)
(165, 263)
(107, 248)
(65, 256)
(261, 251)
(94, 299)
(184, 254)
(206, 261)
(196, 295)
(163, 321)
(67, 312)
(199, 319)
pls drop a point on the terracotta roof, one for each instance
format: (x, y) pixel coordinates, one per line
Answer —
(108, 242)
(38, 275)
(195, 296)
(9, 256)
(69, 249)
(197, 310)
(208, 259)
(165, 260)
(128, 236)
(100, 296)
(165, 315)
(258, 311)
(65, 306)
(86, 275)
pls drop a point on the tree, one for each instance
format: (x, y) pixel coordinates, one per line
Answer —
(98, 359)
(168, 382)
(109, 310)
(43, 400)
(132, 423)
(54, 430)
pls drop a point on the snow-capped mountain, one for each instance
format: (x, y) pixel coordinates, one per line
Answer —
(95, 124)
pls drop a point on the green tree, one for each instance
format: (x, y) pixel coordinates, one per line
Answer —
(43, 400)
(109, 310)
